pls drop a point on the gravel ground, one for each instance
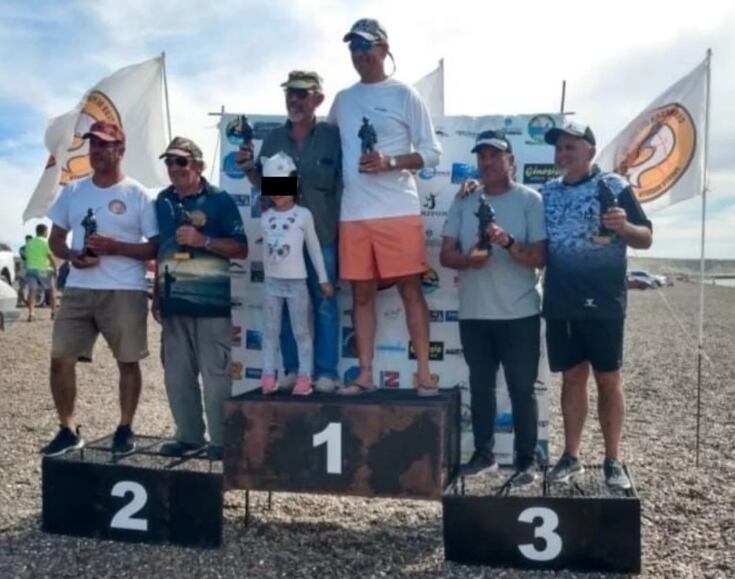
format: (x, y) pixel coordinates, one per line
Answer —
(688, 513)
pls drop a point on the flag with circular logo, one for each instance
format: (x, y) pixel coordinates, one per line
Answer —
(661, 152)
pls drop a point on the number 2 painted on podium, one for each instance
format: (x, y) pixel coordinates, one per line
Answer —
(123, 519)
(332, 436)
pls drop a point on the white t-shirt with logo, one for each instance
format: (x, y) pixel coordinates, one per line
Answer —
(125, 212)
(402, 125)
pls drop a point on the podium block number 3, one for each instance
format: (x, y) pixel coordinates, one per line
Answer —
(545, 531)
(124, 518)
(332, 437)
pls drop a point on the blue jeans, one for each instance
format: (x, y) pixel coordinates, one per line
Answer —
(326, 322)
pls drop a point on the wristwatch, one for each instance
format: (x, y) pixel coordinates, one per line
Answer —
(511, 241)
(392, 163)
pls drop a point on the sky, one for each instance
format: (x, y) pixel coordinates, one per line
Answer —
(500, 58)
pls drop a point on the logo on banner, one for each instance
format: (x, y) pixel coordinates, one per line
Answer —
(537, 127)
(394, 346)
(255, 208)
(389, 379)
(257, 274)
(230, 167)
(351, 374)
(253, 340)
(451, 315)
(436, 351)
(454, 352)
(237, 336)
(429, 206)
(236, 370)
(349, 347)
(390, 314)
(241, 200)
(428, 173)
(539, 173)
(659, 152)
(504, 422)
(253, 373)
(429, 281)
(436, 315)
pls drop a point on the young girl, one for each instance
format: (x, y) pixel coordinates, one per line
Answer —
(286, 228)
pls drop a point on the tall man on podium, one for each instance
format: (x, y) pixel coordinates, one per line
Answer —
(386, 133)
(591, 219)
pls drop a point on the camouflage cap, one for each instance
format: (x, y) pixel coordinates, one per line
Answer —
(369, 29)
(183, 147)
(306, 79)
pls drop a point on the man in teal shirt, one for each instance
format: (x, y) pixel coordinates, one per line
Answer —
(40, 270)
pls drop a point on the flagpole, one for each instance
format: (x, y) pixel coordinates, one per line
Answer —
(700, 341)
(441, 68)
(216, 145)
(165, 92)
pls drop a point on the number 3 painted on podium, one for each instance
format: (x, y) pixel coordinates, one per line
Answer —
(545, 531)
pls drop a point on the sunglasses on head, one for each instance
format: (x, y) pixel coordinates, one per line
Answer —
(360, 44)
(298, 93)
(178, 161)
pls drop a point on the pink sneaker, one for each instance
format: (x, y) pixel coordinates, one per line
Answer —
(268, 384)
(302, 386)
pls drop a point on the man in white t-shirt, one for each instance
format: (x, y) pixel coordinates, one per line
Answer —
(386, 135)
(114, 231)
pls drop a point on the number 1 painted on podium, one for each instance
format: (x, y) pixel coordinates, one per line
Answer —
(332, 436)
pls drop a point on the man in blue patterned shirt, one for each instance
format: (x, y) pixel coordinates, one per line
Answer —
(591, 218)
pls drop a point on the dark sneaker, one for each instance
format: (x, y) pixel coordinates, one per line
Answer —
(615, 476)
(481, 461)
(566, 469)
(523, 477)
(123, 441)
(64, 441)
(215, 452)
(177, 449)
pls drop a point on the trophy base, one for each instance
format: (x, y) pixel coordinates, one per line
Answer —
(182, 256)
(479, 253)
(602, 239)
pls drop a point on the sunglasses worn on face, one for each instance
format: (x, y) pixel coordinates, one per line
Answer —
(178, 161)
(360, 44)
(298, 93)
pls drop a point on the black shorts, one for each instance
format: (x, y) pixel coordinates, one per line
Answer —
(598, 341)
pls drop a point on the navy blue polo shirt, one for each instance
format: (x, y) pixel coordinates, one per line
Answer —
(198, 286)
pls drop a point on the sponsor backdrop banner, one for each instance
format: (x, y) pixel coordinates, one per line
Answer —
(394, 363)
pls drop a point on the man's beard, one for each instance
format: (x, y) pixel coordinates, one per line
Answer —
(295, 116)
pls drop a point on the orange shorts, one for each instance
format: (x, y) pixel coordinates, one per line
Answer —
(381, 248)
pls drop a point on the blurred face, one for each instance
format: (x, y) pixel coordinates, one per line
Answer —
(184, 172)
(367, 57)
(573, 157)
(301, 104)
(493, 165)
(105, 156)
(282, 201)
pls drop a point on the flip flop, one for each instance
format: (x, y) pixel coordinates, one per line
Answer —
(354, 389)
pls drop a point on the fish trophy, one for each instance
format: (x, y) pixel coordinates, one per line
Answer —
(367, 135)
(485, 216)
(182, 217)
(607, 200)
(90, 228)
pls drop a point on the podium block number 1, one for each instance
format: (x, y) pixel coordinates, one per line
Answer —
(125, 517)
(332, 437)
(545, 531)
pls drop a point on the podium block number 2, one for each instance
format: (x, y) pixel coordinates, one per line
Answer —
(545, 531)
(332, 437)
(125, 517)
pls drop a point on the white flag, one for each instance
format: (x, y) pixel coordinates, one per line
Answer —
(131, 98)
(431, 90)
(661, 152)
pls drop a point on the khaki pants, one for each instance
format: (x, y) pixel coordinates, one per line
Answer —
(193, 347)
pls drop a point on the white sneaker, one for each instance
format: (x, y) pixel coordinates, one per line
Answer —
(325, 385)
(287, 381)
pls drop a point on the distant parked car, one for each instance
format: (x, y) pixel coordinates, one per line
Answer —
(650, 279)
(8, 298)
(7, 264)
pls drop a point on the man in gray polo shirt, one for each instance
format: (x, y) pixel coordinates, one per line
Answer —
(316, 151)
(499, 303)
